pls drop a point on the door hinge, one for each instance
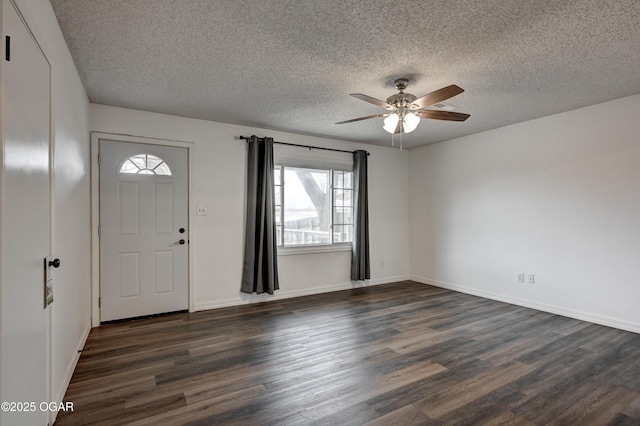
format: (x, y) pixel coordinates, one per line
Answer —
(99, 302)
(99, 159)
(98, 230)
(7, 48)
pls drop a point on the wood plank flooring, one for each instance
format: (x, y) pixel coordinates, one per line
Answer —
(394, 354)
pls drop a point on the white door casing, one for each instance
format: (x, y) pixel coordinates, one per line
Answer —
(25, 351)
(143, 267)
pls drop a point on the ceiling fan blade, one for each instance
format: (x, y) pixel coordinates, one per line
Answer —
(437, 96)
(443, 115)
(371, 100)
(361, 118)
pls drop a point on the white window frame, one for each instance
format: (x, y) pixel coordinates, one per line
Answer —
(311, 248)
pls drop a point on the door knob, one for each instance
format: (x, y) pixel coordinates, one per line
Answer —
(55, 263)
(181, 242)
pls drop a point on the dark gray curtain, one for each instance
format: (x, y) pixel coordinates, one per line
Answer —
(360, 263)
(260, 270)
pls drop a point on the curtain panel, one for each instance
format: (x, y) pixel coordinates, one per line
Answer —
(260, 269)
(360, 262)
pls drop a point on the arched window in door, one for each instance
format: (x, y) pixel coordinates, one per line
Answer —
(145, 164)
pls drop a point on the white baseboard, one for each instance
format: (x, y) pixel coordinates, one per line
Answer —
(72, 366)
(553, 309)
(66, 379)
(288, 294)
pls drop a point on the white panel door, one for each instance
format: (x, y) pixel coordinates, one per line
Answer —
(26, 223)
(143, 229)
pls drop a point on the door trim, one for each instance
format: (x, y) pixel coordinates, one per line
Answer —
(96, 138)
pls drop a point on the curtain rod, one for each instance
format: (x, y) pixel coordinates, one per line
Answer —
(304, 146)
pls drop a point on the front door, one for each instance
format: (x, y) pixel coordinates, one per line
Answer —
(143, 229)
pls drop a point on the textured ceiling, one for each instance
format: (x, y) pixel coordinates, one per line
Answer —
(291, 64)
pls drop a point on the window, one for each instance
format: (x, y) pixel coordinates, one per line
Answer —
(145, 164)
(313, 206)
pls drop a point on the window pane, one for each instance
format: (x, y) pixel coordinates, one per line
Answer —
(162, 170)
(337, 233)
(337, 197)
(338, 181)
(278, 215)
(347, 197)
(338, 216)
(348, 216)
(279, 235)
(307, 206)
(348, 180)
(278, 199)
(128, 167)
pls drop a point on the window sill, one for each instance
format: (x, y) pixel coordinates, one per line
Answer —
(289, 251)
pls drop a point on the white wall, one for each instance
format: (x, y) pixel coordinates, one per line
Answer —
(218, 180)
(557, 197)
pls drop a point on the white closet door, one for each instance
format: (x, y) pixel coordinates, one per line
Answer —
(26, 223)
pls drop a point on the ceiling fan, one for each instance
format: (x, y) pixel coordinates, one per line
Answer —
(406, 110)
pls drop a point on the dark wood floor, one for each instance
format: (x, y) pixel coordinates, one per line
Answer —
(395, 354)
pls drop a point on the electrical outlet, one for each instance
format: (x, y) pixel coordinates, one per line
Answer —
(531, 279)
(382, 263)
(521, 277)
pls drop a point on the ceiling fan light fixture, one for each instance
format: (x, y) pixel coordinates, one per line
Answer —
(391, 122)
(410, 122)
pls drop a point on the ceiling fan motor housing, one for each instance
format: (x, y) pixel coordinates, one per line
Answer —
(401, 100)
